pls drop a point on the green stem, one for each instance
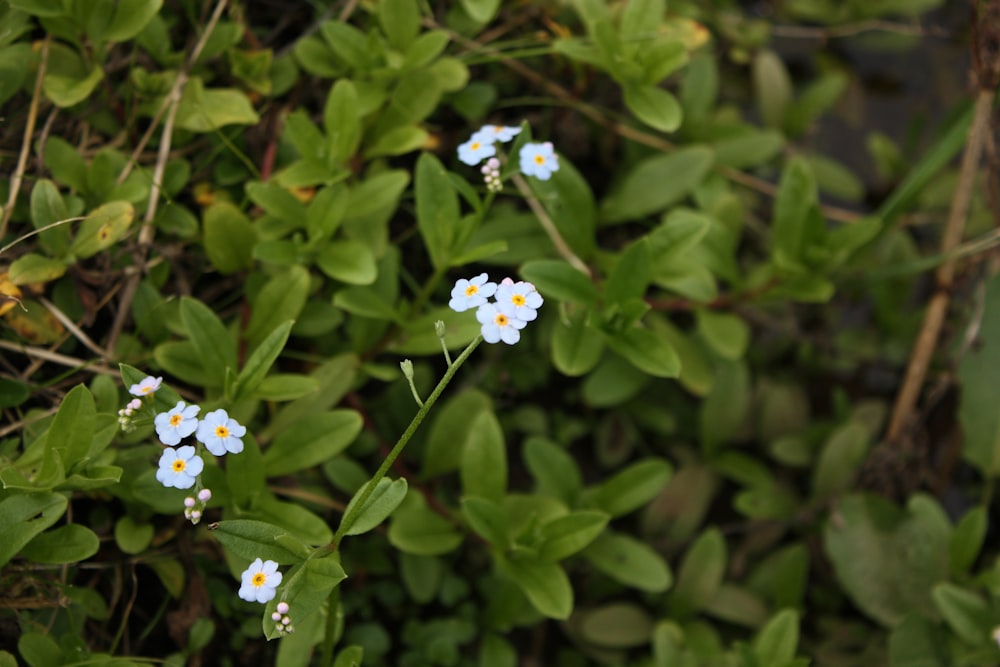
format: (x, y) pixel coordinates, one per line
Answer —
(397, 449)
(329, 639)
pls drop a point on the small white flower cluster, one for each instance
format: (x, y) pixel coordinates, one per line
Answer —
(535, 159)
(514, 306)
(282, 622)
(195, 505)
(491, 174)
(125, 414)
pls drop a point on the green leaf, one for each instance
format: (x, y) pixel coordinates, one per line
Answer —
(631, 274)
(776, 642)
(342, 121)
(437, 208)
(207, 110)
(790, 230)
(888, 559)
(977, 410)
(620, 625)
(229, 238)
(400, 21)
(481, 11)
(487, 519)
(349, 656)
(842, 454)
(748, 149)
(484, 459)
(32, 268)
(40, 650)
(555, 471)
(632, 488)
(130, 17)
(256, 539)
(22, 517)
(919, 642)
(285, 387)
(47, 208)
(772, 86)
(965, 612)
(557, 279)
(398, 141)
(380, 504)
(566, 535)
(102, 228)
(546, 585)
(65, 544)
(73, 429)
(281, 298)
(260, 361)
(212, 343)
(277, 201)
(417, 530)
(967, 540)
(656, 183)
(305, 588)
(727, 334)
(576, 346)
(629, 561)
(646, 351)
(131, 536)
(725, 409)
(65, 90)
(701, 574)
(348, 261)
(568, 200)
(311, 440)
(654, 106)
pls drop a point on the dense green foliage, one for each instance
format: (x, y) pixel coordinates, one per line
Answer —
(691, 458)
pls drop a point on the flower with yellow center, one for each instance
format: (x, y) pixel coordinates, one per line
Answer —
(539, 160)
(519, 300)
(146, 386)
(179, 467)
(498, 326)
(220, 434)
(468, 294)
(259, 581)
(477, 148)
(176, 424)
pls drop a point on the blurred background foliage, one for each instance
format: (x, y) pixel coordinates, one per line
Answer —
(755, 425)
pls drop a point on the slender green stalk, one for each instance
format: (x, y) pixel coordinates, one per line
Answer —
(330, 638)
(397, 449)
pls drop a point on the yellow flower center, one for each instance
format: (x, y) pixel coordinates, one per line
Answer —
(179, 465)
(259, 579)
(175, 420)
(501, 320)
(539, 159)
(517, 300)
(146, 389)
(471, 290)
(475, 145)
(221, 432)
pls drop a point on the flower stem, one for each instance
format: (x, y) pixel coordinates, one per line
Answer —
(397, 449)
(550, 227)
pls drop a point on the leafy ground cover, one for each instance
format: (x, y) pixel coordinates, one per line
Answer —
(475, 333)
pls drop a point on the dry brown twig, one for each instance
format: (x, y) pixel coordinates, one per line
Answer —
(930, 330)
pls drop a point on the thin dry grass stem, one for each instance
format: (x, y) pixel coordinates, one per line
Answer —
(36, 231)
(18, 425)
(927, 338)
(56, 358)
(175, 91)
(550, 228)
(73, 328)
(29, 130)
(851, 29)
(169, 106)
(599, 116)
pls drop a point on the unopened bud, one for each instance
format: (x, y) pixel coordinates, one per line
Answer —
(439, 329)
(407, 367)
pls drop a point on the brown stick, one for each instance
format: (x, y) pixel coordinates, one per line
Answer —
(934, 317)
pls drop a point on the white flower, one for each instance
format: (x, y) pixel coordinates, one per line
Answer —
(502, 133)
(473, 293)
(478, 147)
(539, 160)
(498, 326)
(259, 581)
(178, 423)
(518, 300)
(220, 433)
(179, 467)
(146, 386)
